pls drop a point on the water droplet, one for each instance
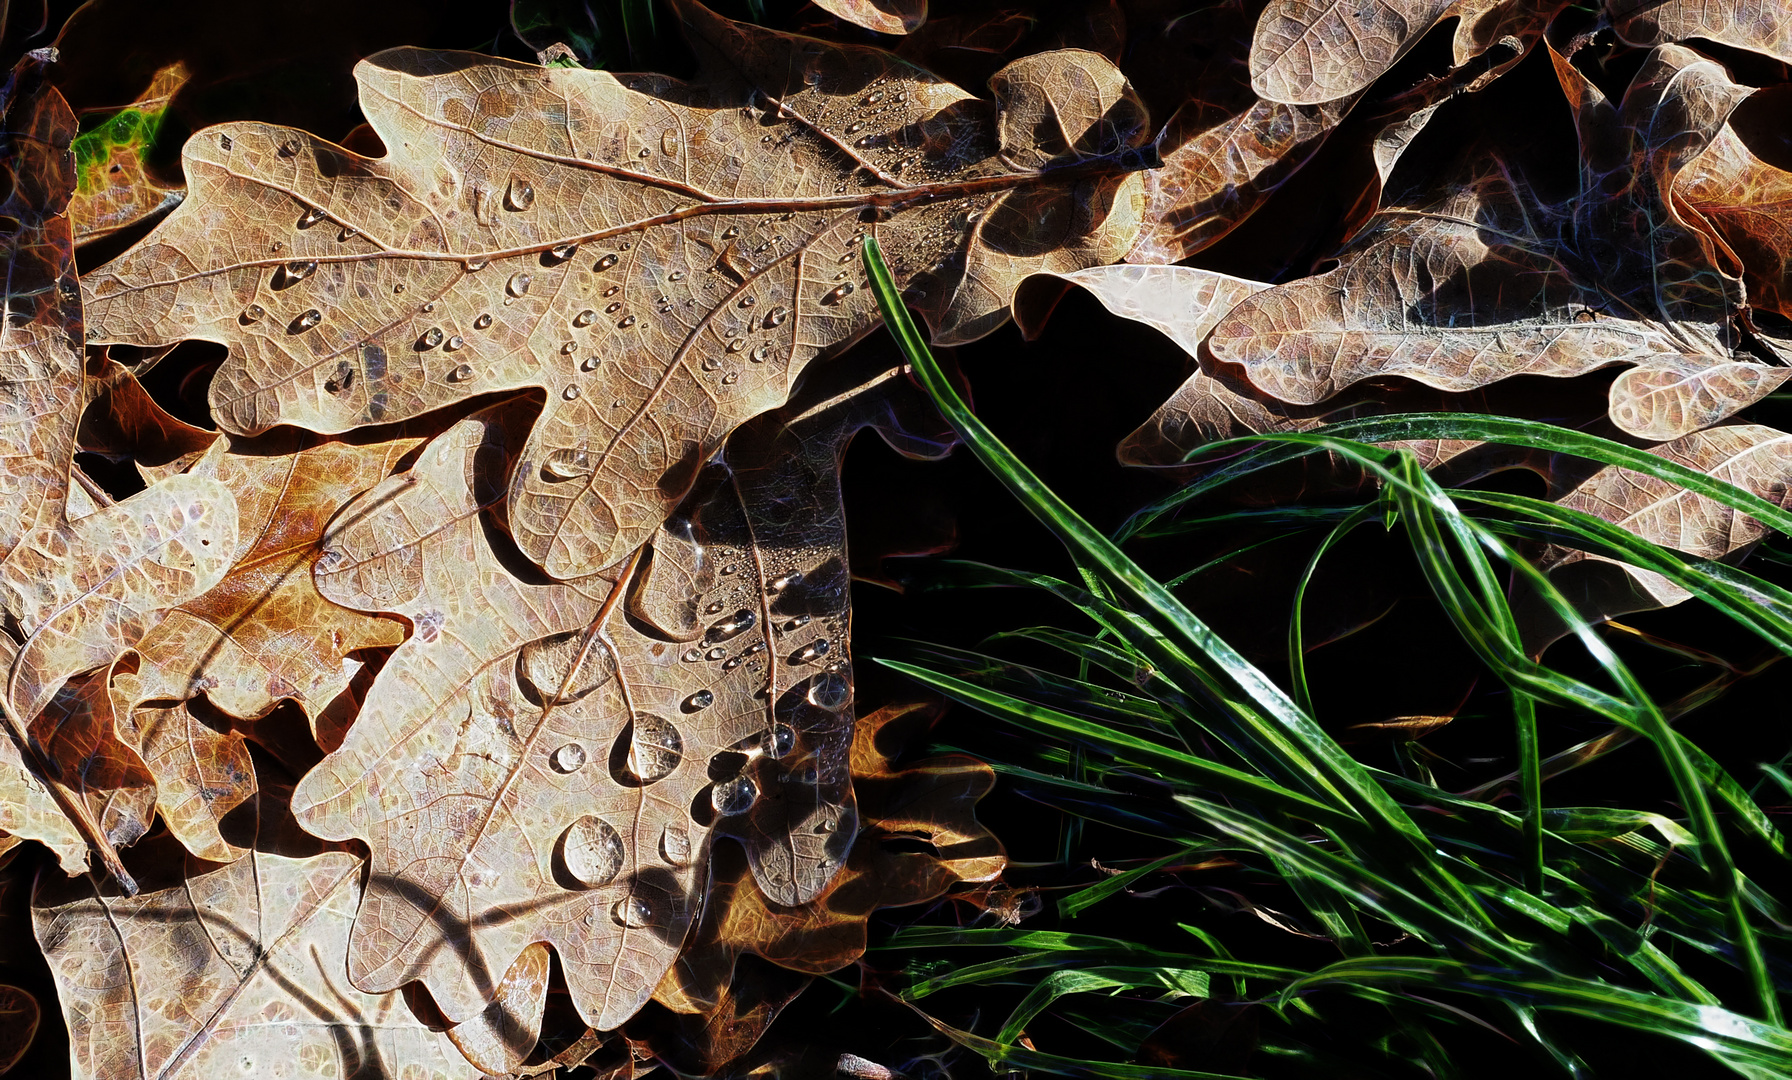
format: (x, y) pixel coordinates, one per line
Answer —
(568, 348)
(398, 288)
(475, 265)
(747, 301)
(691, 656)
(518, 284)
(634, 912)
(854, 128)
(675, 844)
(865, 141)
(784, 581)
(735, 796)
(783, 740)
(613, 308)
(591, 852)
(738, 623)
(561, 252)
(625, 245)
(873, 97)
(431, 338)
(716, 653)
(776, 317)
(604, 263)
(676, 275)
(798, 623)
(712, 607)
(307, 321)
(428, 307)
(812, 651)
(483, 321)
(588, 364)
(711, 363)
(348, 233)
(838, 293)
(702, 699)
(759, 355)
(655, 748)
(253, 313)
(289, 148)
(829, 691)
(455, 342)
(571, 393)
(730, 233)
(311, 217)
(612, 290)
(737, 345)
(733, 662)
(730, 568)
(731, 378)
(645, 153)
(298, 270)
(461, 373)
(627, 321)
(567, 463)
(569, 758)
(520, 195)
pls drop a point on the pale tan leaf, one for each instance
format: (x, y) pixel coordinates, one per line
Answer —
(1763, 27)
(500, 1039)
(533, 766)
(1665, 397)
(238, 970)
(1183, 302)
(201, 773)
(1748, 203)
(883, 16)
(661, 258)
(1755, 458)
(29, 811)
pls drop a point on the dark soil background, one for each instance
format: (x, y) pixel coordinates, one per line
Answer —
(1061, 403)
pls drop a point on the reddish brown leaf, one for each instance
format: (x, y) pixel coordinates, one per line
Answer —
(883, 16)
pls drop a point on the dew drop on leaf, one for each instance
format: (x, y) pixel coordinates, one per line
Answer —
(306, 321)
(311, 217)
(605, 263)
(591, 852)
(584, 318)
(455, 342)
(461, 373)
(627, 321)
(567, 463)
(518, 284)
(829, 691)
(569, 758)
(734, 796)
(655, 748)
(675, 844)
(837, 293)
(253, 313)
(783, 740)
(702, 699)
(520, 195)
(813, 651)
(633, 913)
(483, 321)
(431, 338)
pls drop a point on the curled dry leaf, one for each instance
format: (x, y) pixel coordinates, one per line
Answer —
(1665, 397)
(661, 258)
(1477, 287)
(1748, 204)
(1759, 27)
(547, 762)
(114, 188)
(883, 16)
(235, 970)
(76, 738)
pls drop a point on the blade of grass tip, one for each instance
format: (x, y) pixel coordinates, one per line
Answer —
(1072, 905)
(1093, 551)
(1020, 1057)
(1175, 982)
(1530, 770)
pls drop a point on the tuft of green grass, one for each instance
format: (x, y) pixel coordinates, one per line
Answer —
(1607, 914)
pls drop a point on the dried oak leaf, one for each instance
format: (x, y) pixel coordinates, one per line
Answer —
(662, 258)
(933, 801)
(883, 16)
(237, 969)
(1759, 27)
(1748, 204)
(1308, 52)
(1480, 286)
(114, 188)
(545, 762)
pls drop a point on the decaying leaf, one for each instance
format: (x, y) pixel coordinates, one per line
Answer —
(113, 187)
(1479, 287)
(235, 970)
(661, 258)
(883, 16)
(546, 762)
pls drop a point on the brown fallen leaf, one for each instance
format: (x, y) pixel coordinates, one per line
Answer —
(77, 739)
(883, 16)
(545, 762)
(19, 1017)
(661, 258)
(114, 188)
(1479, 286)
(202, 772)
(1758, 27)
(237, 969)
(1748, 204)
